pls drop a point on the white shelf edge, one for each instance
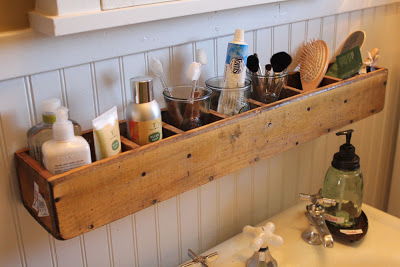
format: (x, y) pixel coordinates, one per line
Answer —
(91, 21)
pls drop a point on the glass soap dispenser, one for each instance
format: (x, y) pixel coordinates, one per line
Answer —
(344, 183)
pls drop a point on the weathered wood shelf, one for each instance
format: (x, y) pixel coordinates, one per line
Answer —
(91, 196)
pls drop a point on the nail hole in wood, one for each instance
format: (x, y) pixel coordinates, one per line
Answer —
(154, 201)
(143, 173)
(329, 130)
(308, 109)
(351, 121)
(257, 159)
(90, 226)
(385, 83)
(345, 101)
(297, 143)
(56, 199)
(270, 124)
(189, 156)
(211, 178)
(373, 111)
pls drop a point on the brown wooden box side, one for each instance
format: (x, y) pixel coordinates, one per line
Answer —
(29, 172)
(96, 195)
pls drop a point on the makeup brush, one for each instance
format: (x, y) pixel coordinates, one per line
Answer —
(157, 68)
(268, 68)
(259, 72)
(280, 61)
(253, 63)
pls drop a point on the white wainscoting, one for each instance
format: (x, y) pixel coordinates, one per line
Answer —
(205, 216)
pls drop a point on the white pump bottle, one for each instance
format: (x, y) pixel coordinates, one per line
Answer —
(65, 151)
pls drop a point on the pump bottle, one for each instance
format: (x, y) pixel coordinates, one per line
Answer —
(42, 131)
(344, 183)
(65, 151)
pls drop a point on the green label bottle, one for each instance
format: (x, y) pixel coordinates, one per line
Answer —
(344, 183)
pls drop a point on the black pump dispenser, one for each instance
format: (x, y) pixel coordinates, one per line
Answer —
(346, 159)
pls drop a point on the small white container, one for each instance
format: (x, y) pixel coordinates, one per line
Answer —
(66, 151)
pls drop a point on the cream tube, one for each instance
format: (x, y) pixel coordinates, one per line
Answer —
(231, 103)
(235, 63)
(107, 141)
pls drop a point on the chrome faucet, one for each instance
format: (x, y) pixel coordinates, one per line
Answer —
(318, 232)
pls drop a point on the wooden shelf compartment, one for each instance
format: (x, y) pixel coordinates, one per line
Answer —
(91, 196)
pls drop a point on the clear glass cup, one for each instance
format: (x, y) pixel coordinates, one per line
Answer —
(184, 112)
(267, 89)
(229, 101)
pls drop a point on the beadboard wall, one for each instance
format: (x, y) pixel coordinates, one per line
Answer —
(89, 84)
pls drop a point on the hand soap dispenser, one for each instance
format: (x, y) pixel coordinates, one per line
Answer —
(65, 151)
(344, 183)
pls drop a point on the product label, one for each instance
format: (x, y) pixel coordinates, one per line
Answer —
(333, 219)
(145, 132)
(107, 141)
(63, 166)
(39, 204)
(351, 232)
(235, 66)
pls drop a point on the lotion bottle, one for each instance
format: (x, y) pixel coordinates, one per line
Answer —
(143, 115)
(65, 151)
(344, 183)
(42, 131)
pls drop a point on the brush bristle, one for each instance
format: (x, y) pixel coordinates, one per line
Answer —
(280, 61)
(201, 56)
(156, 66)
(312, 60)
(252, 63)
(194, 71)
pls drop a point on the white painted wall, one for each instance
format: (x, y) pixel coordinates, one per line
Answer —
(90, 73)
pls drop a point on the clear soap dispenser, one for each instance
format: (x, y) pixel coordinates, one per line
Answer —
(344, 183)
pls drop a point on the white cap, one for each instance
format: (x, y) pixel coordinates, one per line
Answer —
(239, 35)
(63, 128)
(50, 105)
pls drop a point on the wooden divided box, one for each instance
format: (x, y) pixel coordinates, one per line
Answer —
(91, 196)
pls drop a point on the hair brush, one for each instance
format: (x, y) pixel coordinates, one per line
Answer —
(314, 61)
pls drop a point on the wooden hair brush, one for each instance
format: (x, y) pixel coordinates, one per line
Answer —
(314, 61)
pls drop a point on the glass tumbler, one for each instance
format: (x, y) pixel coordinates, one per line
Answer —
(229, 101)
(184, 112)
(267, 89)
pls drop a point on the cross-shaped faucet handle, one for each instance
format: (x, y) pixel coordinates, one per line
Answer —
(203, 260)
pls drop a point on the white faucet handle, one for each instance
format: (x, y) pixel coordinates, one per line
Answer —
(263, 236)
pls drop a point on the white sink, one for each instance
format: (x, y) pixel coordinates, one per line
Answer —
(380, 246)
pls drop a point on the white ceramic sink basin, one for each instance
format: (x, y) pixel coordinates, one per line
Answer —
(380, 246)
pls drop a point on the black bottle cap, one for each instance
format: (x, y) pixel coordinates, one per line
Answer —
(346, 159)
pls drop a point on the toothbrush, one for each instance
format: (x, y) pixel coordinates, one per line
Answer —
(191, 117)
(201, 56)
(157, 68)
(193, 73)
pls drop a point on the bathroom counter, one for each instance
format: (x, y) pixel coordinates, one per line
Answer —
(378, 248)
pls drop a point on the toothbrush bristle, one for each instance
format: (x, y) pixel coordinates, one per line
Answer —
(194, 71)
(201, 56)
(156, 66)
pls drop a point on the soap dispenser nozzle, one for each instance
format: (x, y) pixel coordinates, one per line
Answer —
(347, 133)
